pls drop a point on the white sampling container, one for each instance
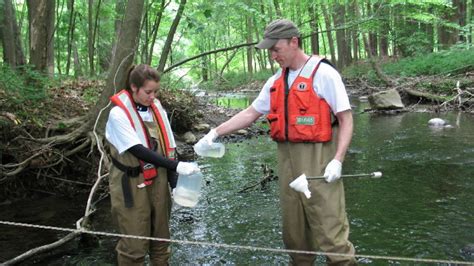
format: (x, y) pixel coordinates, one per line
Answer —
(188, 189)
(216, 150)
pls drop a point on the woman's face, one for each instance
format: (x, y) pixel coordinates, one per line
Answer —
(145, 94)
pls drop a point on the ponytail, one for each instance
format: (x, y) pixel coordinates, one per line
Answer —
(127, 81)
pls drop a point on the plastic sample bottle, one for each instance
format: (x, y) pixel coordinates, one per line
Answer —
(216, 150)
(188, 189)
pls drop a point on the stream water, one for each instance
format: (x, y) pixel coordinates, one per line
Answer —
(423, 206)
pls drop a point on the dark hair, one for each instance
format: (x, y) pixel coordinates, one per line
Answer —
(300, 42)
(138, 74)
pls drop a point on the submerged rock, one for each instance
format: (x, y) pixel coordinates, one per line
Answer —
(189, 138)
(468, 250)
(438, 122)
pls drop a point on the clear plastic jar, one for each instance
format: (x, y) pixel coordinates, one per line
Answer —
(188, 189)
(216, 150)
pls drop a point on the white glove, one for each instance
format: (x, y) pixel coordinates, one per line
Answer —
(185, 168)
(333, 171)
(209, 137)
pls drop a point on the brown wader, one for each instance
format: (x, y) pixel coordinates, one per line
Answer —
(318, 223)
(149, 216)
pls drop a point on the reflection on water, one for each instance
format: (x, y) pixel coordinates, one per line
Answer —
(422, 207)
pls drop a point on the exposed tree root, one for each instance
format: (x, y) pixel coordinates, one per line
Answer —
(32, 252)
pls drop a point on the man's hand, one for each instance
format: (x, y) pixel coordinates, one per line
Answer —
(333, 171)
(209, 138)
(185, 168)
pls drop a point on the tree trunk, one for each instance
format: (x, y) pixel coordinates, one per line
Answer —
(372, 35)
(123, 59)
(446, 34)
(90, 36)
(77, 61)
(384, 31)
(58, 42)
(119, 15)
(41, 29)
(314, 29)
(70, 34)
(430, 35)
(472, 23)
(169, 38)
(93, 25)
(12, 51)
(327, 20)
(461, 6)
(261, 57)
(156, 26)
(339, 21)
(250, 48)
(277, 8)
(205, 68)
(355, 33)
(96, 33)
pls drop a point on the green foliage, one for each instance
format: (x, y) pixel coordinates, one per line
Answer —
(23, 86)
(414, 44)
(172, 83)
(233, 80)
(24, 92)
(410, 26)
(91, 95)
(233, 102)
(443, 62)
(432, 64)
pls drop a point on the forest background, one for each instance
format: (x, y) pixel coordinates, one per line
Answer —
(63, 59)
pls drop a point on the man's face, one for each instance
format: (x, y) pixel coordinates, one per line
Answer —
(145, 94)
(283, 51)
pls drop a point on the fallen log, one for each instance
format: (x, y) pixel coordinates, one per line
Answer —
(429, 96)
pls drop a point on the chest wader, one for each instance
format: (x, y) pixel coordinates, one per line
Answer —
(150, 213)
(318, 223)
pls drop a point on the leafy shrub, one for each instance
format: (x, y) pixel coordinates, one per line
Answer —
(443, 62)
(23, 85)
(233, 80)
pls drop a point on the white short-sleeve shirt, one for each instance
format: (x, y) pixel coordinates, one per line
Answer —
(327, 83)
(119, 132)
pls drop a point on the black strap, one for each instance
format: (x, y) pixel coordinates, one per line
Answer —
(127, 192)
(128, 172)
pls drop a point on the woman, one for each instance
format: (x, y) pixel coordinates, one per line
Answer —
(143, 150)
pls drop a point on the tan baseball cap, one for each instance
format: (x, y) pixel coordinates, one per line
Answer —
(278, 29)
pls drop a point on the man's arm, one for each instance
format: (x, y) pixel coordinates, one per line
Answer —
(241, 120)
(344, 135)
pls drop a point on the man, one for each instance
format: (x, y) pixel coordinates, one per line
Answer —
(310, 119)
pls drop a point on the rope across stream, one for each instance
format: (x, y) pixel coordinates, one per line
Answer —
(238, 247)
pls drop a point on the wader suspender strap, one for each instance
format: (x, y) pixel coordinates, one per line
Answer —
(334, 121)
(128, 172)
(287, 91)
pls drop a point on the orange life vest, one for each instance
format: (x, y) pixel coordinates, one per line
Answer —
(124, 100)
(298, 114)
